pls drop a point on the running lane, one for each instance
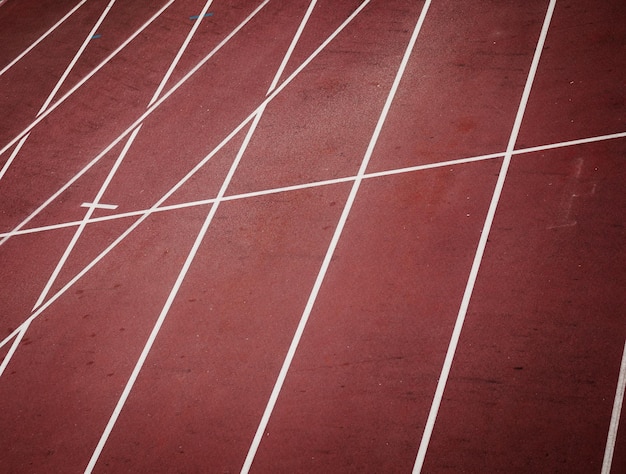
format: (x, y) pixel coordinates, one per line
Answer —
(358, 392)
(227, 332)
(540, 352)
(535, 374)
(463, 83)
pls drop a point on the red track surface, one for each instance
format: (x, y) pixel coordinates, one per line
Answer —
(443, 281)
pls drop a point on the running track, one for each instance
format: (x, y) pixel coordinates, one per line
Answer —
(312, 236)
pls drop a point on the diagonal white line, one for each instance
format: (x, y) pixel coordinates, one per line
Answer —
(314, 184)
(15, 332)
(579, 141)
(292, 46)
(77, 55)
(183, 273)
(42, 37)
(181, 51)
(331, 249)
(445, 371)
(58, 85)
(119, 159)
(615, 416)
(19, 335)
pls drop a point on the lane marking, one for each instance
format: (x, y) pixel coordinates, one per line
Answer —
(445, 371)
(95, 205)
(579, 141)
(314, 184)
(91, 209)
(184, 270)
(69, 93)
(18, 334)
(58, 85)
(42, 37)
(615, 416)
(15, 332)
(262, 427)
(77, 56)
(205, 15)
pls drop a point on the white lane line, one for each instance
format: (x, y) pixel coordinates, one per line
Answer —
(58, 85)
(92, 208)
(579, 141)
(445, 371)
(331, 249)
(134, 125)
(19, 335)
(615, 416)
(145, 215)
(314, 184)
(95, 205)
(78, 54)
(189, 260)
(292, 46)
(63, 98)
(15, 332)
(42, 37)
(181, 51)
